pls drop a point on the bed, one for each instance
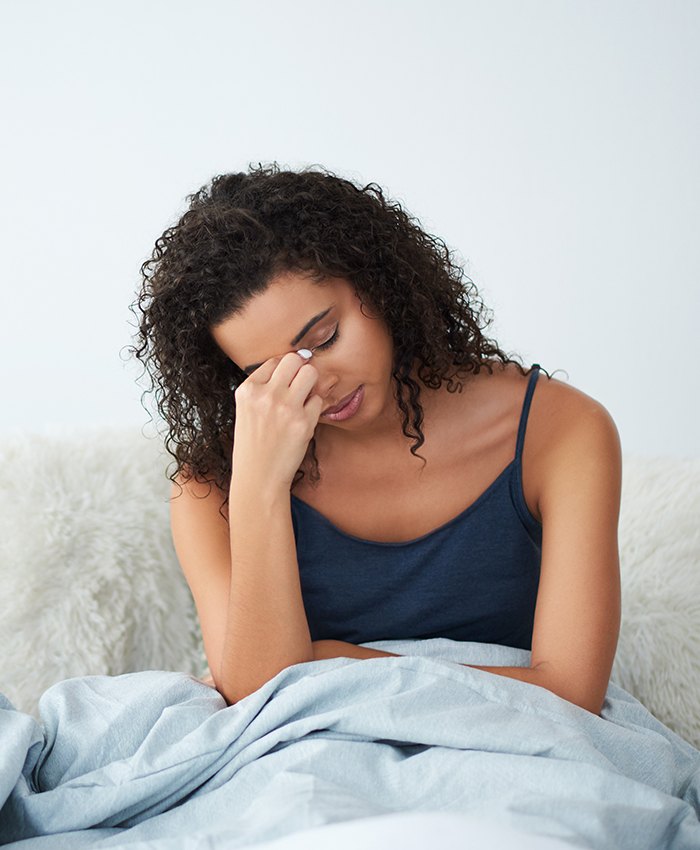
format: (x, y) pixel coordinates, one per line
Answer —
(109, 738)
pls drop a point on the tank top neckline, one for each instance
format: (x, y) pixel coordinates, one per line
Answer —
(462, 514)
(513, 465)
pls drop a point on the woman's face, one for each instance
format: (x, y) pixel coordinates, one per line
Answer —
(350, 347)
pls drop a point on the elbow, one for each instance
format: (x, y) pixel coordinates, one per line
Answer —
(234, 692)
(589, 699)
(595, 707)
(584, 702)
(232, 696)
(226, 689)
(588, 705)
(227, 699)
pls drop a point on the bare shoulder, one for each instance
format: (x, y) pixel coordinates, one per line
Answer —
(189, 488)
(554, 390)
(572, 438)
(564, 413)
(569, 435)
(195, 484)
(557, 408)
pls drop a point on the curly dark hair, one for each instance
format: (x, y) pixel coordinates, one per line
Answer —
(239, 233)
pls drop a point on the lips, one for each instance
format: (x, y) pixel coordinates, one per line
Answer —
(342, 404)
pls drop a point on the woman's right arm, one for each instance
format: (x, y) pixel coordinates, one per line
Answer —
(244, 576)
(266, 628)
(252, 616)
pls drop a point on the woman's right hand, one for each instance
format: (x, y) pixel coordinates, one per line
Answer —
(276, 415)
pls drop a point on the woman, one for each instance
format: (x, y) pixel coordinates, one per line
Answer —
(280, 297)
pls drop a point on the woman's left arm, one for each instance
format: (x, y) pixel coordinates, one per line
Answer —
(578, 610)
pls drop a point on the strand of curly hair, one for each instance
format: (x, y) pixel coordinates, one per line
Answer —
(243, 229)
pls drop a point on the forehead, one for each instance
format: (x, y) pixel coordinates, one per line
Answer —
(271, 319)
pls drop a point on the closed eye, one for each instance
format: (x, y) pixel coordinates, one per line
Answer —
(329, 342)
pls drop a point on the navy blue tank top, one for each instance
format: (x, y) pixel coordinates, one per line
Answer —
(475, 578)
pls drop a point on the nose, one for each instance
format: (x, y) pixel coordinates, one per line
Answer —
(326, 388)
(324, 385)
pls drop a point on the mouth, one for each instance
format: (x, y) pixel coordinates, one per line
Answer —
(340, 404)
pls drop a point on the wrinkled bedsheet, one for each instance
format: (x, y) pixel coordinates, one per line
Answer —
(156, 759)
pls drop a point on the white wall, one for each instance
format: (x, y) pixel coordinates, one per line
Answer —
(553, 144)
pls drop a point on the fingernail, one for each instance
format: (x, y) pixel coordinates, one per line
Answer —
(305, 353)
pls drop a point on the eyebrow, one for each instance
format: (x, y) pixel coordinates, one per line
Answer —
(302, 333)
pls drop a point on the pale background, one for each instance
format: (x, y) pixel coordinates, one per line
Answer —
(552, 144)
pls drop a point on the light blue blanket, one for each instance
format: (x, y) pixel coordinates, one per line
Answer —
(157, 760)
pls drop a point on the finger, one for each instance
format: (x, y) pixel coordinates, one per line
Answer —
(287, 370)
(304, 384)
(314, 403)
(279, 372)
(264, 372)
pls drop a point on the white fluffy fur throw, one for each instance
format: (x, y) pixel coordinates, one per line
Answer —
(91, 583)
(90, 580)
(657, 658)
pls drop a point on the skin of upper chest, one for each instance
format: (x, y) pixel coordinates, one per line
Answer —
(388, 495)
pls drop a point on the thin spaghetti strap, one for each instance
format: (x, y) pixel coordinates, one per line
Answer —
(526, 409)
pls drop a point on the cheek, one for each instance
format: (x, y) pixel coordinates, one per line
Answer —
(369, 342)
(374, 351)
(379, 357)
(385, 346)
